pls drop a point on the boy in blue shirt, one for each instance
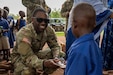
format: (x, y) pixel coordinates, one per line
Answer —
(104, 18)
(84, 55)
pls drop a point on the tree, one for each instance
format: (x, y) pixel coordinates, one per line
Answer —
(14, 16)
(55, 14)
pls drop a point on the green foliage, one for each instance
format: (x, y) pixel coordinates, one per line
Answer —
(60, 33)
(55, 14)
(15, 16)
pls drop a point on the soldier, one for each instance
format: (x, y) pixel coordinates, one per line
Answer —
(32, 4)
(65, 11)
(28, 53)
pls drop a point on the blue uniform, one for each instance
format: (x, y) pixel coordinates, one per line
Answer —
(4, 44)
(84, 57)
(21, 23)
(110, 4)
(102, 14)
(5, 25)
(10, 33)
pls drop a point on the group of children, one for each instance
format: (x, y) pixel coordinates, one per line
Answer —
(8, 26)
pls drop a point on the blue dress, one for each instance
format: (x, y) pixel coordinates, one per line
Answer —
(84, 57)
(10, 33)
(110, 4)
(20, 23)
(5, 25)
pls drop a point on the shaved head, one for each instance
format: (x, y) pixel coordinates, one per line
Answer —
(87, 11)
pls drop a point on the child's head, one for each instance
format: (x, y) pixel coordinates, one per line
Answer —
(83, 20)
(6, 8)
(1, 12)
(22, 13)
(5, 14)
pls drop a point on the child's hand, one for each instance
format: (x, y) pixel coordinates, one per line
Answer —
(60, 62)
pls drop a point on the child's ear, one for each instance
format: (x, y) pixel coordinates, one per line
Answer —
(94, 25)
(75, 26)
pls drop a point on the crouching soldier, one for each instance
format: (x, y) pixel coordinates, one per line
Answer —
(28, 56)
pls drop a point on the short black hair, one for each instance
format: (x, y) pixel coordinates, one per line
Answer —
(6, 8)
(21, 12)
(37, 10)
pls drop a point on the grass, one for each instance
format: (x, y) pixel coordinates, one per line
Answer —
(60, 33)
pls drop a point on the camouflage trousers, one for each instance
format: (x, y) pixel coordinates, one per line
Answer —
(19, 67)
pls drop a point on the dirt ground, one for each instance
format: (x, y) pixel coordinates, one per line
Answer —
(60, 71)
(62, 39)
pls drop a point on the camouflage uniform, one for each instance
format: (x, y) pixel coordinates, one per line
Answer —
(65, 10)
(32, 4)
(28, 50)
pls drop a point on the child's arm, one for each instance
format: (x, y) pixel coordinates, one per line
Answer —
(17, 24)
(111, 16)
(5, 30)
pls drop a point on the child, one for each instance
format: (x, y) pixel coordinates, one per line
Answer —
(103, 20)
(11, 22)
(4, 43)
(102, 14)
(84, 55)
(21, 22)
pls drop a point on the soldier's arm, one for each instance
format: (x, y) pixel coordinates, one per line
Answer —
(26, 3)
(30, 4)
(52, 42)
(24, 49)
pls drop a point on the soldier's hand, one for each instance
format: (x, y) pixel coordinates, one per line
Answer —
(56, 60)
(50, 63)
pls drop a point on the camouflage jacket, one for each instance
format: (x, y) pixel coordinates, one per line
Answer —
(28, 43)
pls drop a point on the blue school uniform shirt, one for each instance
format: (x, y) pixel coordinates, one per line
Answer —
(22, 23)
(99, 27)
(4, 23)
(11, 36)
(110, 4)
(84, 57)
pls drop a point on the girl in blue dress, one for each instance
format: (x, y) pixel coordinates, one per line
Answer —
(21, 22)
(11, 36)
